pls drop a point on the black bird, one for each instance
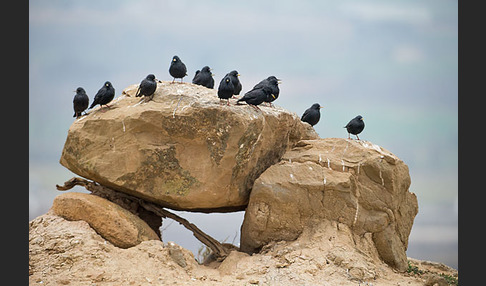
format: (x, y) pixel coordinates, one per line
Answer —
(256, 97)
(312, 114)
(80, 102)
(355, 126)
(104, 95)
(273, 83)
(177, 68)
(204, 77)
(225, 89)
(236, 82)
(147, 87)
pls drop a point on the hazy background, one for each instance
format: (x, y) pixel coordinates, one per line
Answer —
(393, 62)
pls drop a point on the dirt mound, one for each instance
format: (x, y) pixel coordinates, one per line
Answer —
(65, 252)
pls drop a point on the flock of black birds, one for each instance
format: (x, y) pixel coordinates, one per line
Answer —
(230, 86)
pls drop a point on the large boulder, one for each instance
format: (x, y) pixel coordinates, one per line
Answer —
(356, 183)
(183, 149)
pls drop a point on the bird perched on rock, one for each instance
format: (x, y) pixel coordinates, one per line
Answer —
(355, 126)
(104, 95)
(147, 87)
(204, 77)
(273, 83)
(256, 97)
(312, 114)
(225, 89)
(177, 68)
(80, 102)
(236, 82)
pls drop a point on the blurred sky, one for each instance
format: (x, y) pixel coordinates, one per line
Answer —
(393, 62)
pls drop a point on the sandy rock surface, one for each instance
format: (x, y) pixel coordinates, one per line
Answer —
(183, 149)
(112, 222)
(356, 183)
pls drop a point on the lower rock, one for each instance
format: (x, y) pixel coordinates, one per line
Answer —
(112, 222)
(355, 183)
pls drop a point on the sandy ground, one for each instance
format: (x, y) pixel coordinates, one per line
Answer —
(65, 252)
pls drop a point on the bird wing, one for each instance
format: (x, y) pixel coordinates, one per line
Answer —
(250, 95)
(245, 97)
(101, 92)
(144, 85)
(196, 77)
(306, 112)
(261, 84)
(77, 99)
(238, 88)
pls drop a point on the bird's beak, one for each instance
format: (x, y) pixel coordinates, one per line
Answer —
(321, 107)
(238, 75)
(279, 81)
(273, 96)
(174, 60)
(361, 118)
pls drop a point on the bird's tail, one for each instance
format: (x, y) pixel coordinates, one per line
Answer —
(93, 105)
(137, 93)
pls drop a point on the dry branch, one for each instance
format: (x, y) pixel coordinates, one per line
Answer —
(219, 250)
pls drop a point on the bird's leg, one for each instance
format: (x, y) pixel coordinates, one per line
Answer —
(349, 136)
(173, 80)
(357, 136)
(227, 102)
(148, 98)
(255, 107)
